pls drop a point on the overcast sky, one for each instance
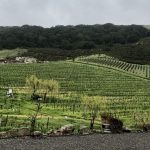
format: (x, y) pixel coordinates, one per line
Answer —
(49, 13)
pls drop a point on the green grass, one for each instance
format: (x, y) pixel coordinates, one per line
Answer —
(11, 53)
(128, 95)
(20, 109)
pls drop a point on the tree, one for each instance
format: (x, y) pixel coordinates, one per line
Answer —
(48, 86)
(33, 83)
(94, 104)
(40, 87)
(33, 118)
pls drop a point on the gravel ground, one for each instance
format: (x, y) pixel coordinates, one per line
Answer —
(132, 141)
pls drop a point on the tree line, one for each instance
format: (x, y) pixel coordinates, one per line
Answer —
(62, 42)
(70, 37)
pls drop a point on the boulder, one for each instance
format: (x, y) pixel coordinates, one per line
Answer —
(23, 132)
(3, 135)
(15, 133)
(84, 130)
(67, 129)
(127, 130)
(146, 127)
(58, 133)
(18, 132)
(50, 133)
(12, 133)
(54, 133)
(37, 134)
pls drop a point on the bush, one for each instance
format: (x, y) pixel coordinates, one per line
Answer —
(5, 128)
(115, 125)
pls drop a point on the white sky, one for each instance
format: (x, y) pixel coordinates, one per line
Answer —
(49, 13)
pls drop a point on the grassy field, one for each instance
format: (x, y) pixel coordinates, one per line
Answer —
(11, 53)
(127, 94)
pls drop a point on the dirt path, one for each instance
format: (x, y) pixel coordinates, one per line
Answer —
(133, 141)
(26, 116)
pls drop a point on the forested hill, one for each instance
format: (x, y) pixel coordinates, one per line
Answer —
(70, 37)
(62, 42)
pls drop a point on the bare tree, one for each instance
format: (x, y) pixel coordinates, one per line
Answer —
(33, 118)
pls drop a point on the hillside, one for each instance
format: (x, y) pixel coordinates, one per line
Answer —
(127, 95)
(114, 63)
(111, 80)
(69, 42)
(70, 37)
(76, 77)
(4, 54)
(147, 26)
(138, 52)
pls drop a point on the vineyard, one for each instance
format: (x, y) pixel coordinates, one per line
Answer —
(136, 69)
(127, 94)
(77, 78)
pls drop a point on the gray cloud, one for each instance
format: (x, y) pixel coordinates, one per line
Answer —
(63, 12)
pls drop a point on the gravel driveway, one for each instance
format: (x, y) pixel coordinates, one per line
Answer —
(132, 141)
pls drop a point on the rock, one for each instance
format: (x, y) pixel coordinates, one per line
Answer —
(37, 134)
(67, 129)
(96, 131)
(12, 133)
(23, 132)
(55, 133)
(15, 133)
(58, 133)
(3, 135)
(50, 133)
(126, 130)
(146, 127)
(18, 132)
(84, 130)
